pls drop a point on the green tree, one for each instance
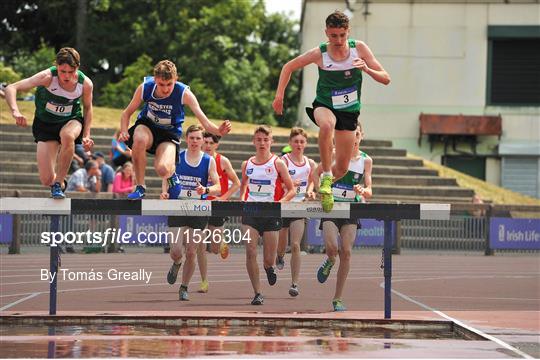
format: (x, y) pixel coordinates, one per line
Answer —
(119, 94)
(28, 64)
(8, 75)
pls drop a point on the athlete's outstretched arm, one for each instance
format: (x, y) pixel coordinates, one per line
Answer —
(42, 78)
(365, 191)
(88, 113)
(311, 56)
(370, 65)
(191, 101)
(244, 185)
(126, 114)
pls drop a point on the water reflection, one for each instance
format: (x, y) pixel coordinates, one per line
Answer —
(225, 337)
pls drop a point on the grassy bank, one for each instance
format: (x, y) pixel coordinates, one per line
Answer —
(110, 118)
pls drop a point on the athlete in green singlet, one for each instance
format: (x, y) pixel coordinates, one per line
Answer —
(341, 62)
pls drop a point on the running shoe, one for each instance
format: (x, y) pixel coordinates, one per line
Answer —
(271, 275)
(224, 250)
(293, 291)
(173, 273)
(56, 191)
(324, 270)
(174, 186)
(183, 293)
(138, 194)
(204, 287)
(280, 262)
(338, 305)
(327, 199)
(258, 299)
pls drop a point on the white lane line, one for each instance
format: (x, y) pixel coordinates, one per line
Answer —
(458, 322)
(5, 307)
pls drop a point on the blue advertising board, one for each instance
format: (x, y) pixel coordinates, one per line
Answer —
(6, 229)
(371, 233)
(508, 233)
(144, 225)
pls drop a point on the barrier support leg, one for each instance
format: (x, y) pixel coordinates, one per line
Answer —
(388, 237)
(54, 254)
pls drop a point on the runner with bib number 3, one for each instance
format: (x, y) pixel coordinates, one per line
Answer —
(341, 62)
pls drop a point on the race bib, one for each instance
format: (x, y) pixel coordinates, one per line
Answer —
(300, 191)
(344, 98)
(58, 109)
(343, 192)
(260, 188)
(157, 119)
(188, 193)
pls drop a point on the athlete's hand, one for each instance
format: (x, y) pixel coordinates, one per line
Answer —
(164, 196)
(360, 64)
(310, 195)
(200, 189)
(277, 104)
(358, 189)
(123, 136)
(20, 119)
(87, 143)
(225, 128)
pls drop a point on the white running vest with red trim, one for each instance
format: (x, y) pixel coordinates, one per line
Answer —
(262, 180)
(298, 172)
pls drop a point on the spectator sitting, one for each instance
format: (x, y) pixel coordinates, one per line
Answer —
(123, 181)
(120, 153)
(86, 179)
(478, 211)
(81, 156)
(107, 172)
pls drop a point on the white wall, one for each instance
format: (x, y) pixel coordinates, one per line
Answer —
(436, 55)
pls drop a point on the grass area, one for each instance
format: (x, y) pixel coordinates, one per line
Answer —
(110, 118)
(487, 191)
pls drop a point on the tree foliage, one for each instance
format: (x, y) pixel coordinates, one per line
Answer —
(230, 52)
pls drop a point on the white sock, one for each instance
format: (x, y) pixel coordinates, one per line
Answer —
(327, 173)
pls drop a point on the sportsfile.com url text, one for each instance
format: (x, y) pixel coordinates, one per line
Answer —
(109, 236)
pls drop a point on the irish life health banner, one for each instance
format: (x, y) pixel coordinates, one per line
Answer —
(508, 233)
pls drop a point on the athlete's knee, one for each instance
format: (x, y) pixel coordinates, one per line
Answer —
(325, 128)
(331, 250)
(163, 170)
(68, 139)
(191, 252)
(176, 254)
(295, 248)
(251, 252)
(344, 255)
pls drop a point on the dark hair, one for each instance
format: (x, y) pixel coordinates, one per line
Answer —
(68, 56)
(337, 19)
(193, 128)
(90, 164)
(215, 138)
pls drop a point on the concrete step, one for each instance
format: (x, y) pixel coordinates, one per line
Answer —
(18, 180)
(30, 166)
(107, 133)
(238, 151)
(438, 191)
(153, 194)
(380, 186)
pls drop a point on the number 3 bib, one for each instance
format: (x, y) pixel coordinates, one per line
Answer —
(344, 98)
